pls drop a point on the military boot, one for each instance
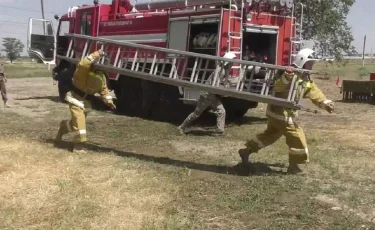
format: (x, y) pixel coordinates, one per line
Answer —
(181, 129)
(60, 133)
(294, 169)
(245, 154)
(6, 105)
(79, 148)
(218, 132)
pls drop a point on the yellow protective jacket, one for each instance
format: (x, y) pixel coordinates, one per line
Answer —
(282, 85)
(89, 82)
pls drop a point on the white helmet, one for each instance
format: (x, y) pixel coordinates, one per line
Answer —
(303, 56)
(229, 55)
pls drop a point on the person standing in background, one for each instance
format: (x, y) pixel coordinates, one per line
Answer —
(3, 80)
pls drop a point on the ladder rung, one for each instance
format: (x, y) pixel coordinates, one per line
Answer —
(239, 18)
(235, 37)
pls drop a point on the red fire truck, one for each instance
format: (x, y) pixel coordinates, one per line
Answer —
(266, 29)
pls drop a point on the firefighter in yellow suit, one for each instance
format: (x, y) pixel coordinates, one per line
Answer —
(86, 82)
(281, 121)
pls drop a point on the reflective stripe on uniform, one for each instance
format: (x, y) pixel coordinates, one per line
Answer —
(327, 102)
(74, 101)
(288, 120)
(294, 150)
(82, 131)
(90, 58)
(324, 103)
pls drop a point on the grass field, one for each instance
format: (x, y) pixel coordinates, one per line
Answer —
(143, 174)
(27, 70)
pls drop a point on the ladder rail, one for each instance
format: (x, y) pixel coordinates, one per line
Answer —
(185, 53)
(296, 38)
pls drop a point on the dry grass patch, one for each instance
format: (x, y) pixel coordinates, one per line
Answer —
(26, 70)
(45, 188)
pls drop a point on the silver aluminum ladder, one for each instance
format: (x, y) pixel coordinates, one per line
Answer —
(151, 63)
(295, 40)
(235, 35)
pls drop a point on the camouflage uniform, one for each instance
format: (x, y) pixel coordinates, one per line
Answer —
(208, 100)
(3, 89)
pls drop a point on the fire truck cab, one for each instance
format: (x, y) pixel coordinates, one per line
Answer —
(259, 30)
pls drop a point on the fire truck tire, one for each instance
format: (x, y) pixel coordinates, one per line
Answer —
(237, 108)
(128, 92)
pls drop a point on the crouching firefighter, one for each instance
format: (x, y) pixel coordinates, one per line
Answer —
(86, 82)
(281, 121)
(209, 100)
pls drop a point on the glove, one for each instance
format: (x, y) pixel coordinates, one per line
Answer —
(102, 53)
(290, 70)
(111, 105)
(330, 107)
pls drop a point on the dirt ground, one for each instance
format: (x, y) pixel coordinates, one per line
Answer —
(143, 174)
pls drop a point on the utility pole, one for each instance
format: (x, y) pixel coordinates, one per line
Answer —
(42, 8)
(363, 54)
(371, 55)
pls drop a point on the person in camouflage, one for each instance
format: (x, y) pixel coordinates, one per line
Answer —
(3, 80)
(209, 100)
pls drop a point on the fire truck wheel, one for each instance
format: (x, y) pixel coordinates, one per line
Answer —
(237, 108)
(128, 92)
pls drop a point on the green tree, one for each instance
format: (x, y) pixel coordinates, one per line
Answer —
(13, 47)
(324, 22)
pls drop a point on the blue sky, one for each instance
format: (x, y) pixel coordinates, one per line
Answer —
(13, 21)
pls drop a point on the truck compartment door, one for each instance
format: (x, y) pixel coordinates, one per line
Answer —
(178, 38)
(41, 39)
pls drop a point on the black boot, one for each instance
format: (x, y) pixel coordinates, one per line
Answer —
(244, 154)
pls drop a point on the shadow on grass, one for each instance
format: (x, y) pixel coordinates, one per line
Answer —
(256, 169)
(52, 98)
(164, 113)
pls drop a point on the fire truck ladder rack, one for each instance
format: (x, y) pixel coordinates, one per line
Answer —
(235, 35)
(131, 59)
(296, 40)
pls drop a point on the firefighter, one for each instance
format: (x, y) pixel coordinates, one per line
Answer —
(209, 100)
(281, 121)
(3, 89)
(86, 82)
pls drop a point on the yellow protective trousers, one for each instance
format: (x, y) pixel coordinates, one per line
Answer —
(77, 124)
(295, 139)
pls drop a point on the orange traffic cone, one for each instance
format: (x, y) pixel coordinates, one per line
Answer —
(338, 83)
